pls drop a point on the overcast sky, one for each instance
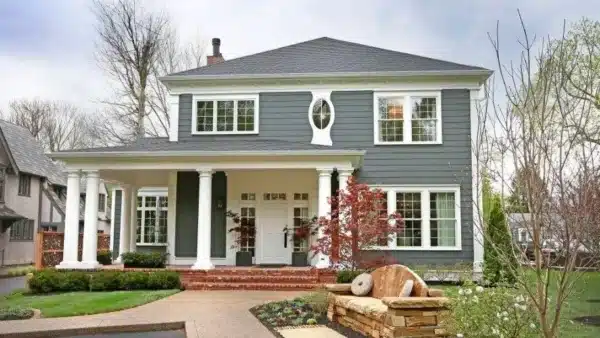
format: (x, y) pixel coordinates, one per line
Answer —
(47, 47)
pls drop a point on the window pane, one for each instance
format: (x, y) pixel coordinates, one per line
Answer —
(443, 219)
(321, 114)
(138, 231)
(245, 111)
(248, 236)
(383, 214)
(391, 131)
(224, 115)
(150, 201)
(204, 121)
(162, 227)
(300, 239)
(139, 201)
(163, 202)
(391, 119)
(408, 204)
(149, 224)
(424, 119)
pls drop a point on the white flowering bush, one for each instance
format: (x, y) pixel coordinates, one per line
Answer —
(490, 312)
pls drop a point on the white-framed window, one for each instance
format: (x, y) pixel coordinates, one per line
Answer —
(407, 117)
(274, 196)
(225, 114)
(431, 217)
(248, 219)
(152, 220)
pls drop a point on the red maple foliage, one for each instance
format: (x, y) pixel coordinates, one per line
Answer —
(361, 222)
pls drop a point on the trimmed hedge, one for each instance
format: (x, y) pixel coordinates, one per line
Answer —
(46, 281)
(144, 259)
(104, 257)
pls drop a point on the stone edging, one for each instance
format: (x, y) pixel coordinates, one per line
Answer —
(90, 330)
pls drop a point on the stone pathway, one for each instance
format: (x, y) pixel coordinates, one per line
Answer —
(313, 332)
(212, 313)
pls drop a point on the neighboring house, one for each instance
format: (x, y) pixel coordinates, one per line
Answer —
(103, 226)
(272, 135)
(30, 186)
(522, 235)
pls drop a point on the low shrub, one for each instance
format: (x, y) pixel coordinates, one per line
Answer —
(15, 313)
(347, 276)
(20, 270)
(144, 259)
(317, 301)
(485, 312)
(104, 257)
(46, 281)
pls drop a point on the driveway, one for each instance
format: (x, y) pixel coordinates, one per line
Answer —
(11, 283)
(213, 313)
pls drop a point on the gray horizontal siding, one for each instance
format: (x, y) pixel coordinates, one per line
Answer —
(118, 196)
(284, 116)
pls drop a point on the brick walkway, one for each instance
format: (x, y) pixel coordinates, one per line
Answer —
(213, 313)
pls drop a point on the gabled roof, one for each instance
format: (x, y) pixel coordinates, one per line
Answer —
(327, 56)
(28, 155)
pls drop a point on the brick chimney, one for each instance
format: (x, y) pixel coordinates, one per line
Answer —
(216, 57)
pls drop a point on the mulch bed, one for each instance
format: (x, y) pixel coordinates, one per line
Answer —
(295, 312)
(588, 320)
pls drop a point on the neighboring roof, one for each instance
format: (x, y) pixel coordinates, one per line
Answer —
(7, 213)
(28, 155)
(204, 146)
(328, 56)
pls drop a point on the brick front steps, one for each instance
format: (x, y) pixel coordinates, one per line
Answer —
(254, 278)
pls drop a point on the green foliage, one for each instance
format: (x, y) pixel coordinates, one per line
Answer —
(500, 260)
(46, 281)
(347, 276)
(144, 259)
(311, 321)
(104, 257)
(14, 313)
(490, 312)
(20, 270)
(317, 300)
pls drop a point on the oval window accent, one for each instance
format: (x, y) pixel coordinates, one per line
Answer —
(321, 114)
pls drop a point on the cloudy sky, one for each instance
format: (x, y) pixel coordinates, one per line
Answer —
(47, 47)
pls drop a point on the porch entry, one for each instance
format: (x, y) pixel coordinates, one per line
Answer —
(274, 247)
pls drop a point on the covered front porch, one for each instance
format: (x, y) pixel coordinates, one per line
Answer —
(269, 190)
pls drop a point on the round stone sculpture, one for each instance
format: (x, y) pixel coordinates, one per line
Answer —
(362, 284)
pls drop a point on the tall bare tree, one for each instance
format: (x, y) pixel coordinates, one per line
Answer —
(532, 132)
(57, 125)
(130, 42)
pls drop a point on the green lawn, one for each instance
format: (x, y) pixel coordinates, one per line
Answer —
(84, 303)
(587, 288)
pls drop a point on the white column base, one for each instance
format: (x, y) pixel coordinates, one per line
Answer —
(118, 260)
(90, 265)
(203, 265)
(322, 261)
(69, 265)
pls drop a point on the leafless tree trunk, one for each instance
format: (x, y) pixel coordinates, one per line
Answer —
(56, 125)
(526, 132)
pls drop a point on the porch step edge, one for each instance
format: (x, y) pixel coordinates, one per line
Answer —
(283, 279)
(251, 286)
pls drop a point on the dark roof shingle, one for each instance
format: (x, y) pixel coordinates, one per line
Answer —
(327, 55)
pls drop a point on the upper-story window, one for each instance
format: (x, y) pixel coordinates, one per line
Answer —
(225, 115)
(24, 185)
(408, 118)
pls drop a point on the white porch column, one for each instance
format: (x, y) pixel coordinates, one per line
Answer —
(204, 221)
(90, 226)
(132, 224)
(125, 221)
(71, 236)
(343, 176)
(322, 260)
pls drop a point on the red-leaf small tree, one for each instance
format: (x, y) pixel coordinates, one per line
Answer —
(360, 222)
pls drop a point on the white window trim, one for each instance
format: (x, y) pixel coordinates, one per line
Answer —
(158, 208)
(425, 216)
(215, 98)
(407, 112)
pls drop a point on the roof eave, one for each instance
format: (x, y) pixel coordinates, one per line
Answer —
(484, 73)
(188, 153)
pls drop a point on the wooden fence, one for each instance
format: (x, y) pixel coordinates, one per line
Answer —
(49, 247)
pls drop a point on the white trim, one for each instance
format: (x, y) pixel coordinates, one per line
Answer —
(190, 165)
(478, 250)
(143, 208)
(173, 106)
(112, 221)
(425, 191)
(321, 136)
(407, 116)
(188, 153)
(230, 97)
(171, 215)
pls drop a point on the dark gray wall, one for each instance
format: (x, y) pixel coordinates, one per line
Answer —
(218, 229)
(285, 116)
(186, 219)
(117, 223)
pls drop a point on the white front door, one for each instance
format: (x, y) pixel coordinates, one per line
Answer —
(273, 248)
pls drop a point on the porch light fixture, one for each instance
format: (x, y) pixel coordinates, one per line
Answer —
(321, 115)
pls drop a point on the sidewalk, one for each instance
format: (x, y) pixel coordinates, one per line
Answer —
(212, 313)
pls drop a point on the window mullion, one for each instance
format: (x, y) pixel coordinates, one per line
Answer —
(407, 126)
(214, 124)
(391, 208)
(235, 115)
(142, 219)
(425, 220)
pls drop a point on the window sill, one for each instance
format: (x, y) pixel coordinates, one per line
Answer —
(416, 248)
(23, 195)
(224, 132)
(379, 143)
(151, 244)
(20, 240)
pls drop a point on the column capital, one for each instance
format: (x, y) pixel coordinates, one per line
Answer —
(345, 171)
(92, 173)
(204, 171)
(73, 173)
(324, 171)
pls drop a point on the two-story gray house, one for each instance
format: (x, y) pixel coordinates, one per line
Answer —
(272, 135)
